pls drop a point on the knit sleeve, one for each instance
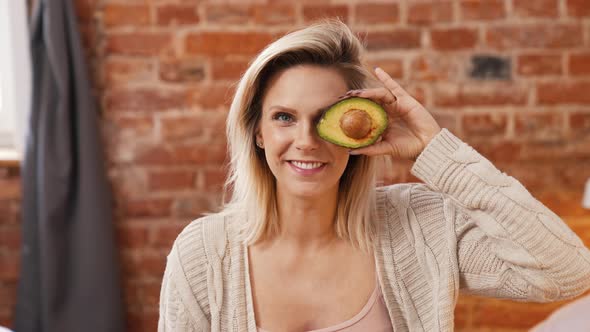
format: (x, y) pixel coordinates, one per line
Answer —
(509, 245)
(179, 310)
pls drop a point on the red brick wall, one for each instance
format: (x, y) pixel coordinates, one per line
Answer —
(511, 77)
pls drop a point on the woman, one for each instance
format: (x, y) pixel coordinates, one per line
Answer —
(307, 243)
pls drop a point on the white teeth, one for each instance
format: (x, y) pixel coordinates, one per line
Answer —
(306, 165)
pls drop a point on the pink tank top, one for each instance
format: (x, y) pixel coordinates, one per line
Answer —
(373, 317)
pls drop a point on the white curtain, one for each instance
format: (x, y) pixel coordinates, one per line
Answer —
(15, 67)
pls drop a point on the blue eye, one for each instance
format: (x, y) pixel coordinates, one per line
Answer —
(283, 117)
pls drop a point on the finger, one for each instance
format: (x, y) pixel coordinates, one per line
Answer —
(372, 150)
(392, 85)
(382, 95)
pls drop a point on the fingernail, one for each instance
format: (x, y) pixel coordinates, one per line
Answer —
(353, 152)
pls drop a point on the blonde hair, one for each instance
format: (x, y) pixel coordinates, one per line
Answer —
(251, 184)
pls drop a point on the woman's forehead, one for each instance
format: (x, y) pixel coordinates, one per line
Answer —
(310, 86)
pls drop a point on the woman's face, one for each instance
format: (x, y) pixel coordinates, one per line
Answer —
(303, 164)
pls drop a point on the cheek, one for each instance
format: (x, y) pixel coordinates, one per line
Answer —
(276, 139)
(341, 157)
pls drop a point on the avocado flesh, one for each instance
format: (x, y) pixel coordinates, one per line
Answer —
(330, 126)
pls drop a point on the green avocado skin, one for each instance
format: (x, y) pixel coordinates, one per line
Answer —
(380, 119)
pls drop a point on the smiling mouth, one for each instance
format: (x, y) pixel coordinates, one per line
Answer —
(307, 165)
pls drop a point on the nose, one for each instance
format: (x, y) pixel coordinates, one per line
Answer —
(307, 137)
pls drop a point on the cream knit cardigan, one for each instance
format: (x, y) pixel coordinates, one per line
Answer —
(469, 228)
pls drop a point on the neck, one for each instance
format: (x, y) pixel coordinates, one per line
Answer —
(307, 222)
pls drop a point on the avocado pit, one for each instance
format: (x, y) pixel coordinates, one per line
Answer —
(356, 123)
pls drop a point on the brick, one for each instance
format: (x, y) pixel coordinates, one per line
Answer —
(571, 174)
(538, 8)
(145, 100)
(476, 10)
(149, 207)
(132, 236)
(163, 236)
(418, 92)
(10, 267)
(128, 182)
(132, 294)
(394, 39)
(274, 14)
(150, 295)
(227, 69)
(479, 95)
(7, 318)
(579, 124)
(132, 125)
(430, 13)
(579, 64)
(224, 43)
(144, 265)
(142, 322)
(213, 179)
(559, 92)
(565, 203)
(453, 38)
(117, 72)
(116, 15)
(535, 36)
(183, 126)
(393, 67)
(230, 13)
(377, 13)
(177, 14)
(212, 153)
(171, 180)
(118, 149)
(210, 96)
(316, 12)
(7, 212)
(488, 124)
(85, 10)
(578, 8)
(10, 238)
(193, 207)
(539, 126)
(446, 120)
(138, 43)
(10, 188)
(550, 151)
(582, 229)
(534, 176)
(434, 68)
(463, 311)
(88, 34)
(498, 151)
(191, 69)
(390, 171)
(539, 65)
(507, 314)
(7, 295)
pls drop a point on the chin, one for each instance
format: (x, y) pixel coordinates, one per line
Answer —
(309, 190)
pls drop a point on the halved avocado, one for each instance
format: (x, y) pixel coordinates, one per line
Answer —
(353, 122)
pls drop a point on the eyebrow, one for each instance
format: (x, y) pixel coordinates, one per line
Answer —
(318, 111)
